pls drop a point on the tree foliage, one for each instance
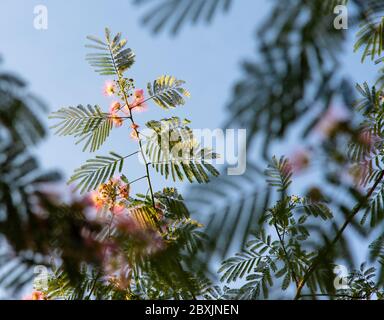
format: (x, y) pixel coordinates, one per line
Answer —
(364, 156)
(167, 92)
(173, 151)
(285, 242)
(174, 14)
(35, 224)
(294, 82)
(86, 123)
(146, 242)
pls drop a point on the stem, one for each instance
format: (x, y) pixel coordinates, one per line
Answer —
(93, 285)
(131, 154)
(139, 142)
(324, 251)
(190, 291)
(138, 179)
(294, 276)
(99, 273)
(122, 90)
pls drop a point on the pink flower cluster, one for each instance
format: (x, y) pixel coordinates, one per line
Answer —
(145, 241)
(112, 195)
(299, 161)
(331, 120)
(137, 103)
(35, 295)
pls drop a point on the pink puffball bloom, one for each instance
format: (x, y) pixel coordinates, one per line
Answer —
(368, 139)
(124, 191)
(138, 102)
(112, 194)
(118, 209)
(117, 121)
(98, 203)
(360, 172)
(299, 160)
(134, 135)
(139, 95)
(109, 88)
(35, 295)
(126, 223)
(332, 118)
(134, 132)
(114, 107)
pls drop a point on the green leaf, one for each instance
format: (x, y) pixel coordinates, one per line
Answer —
(369, 99)
(167, 92)
(286, 282)
(145, 216)
(370, 38)
(175, 14)
(97, 171)
(328, 6)
(375, 208)
(316, 209)
(112, 57)
(88, 124)
(252, 257)
(279, 174)
(173, 203)
(173, 151)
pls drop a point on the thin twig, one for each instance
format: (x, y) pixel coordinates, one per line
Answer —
(286, 255)
(130, 117)
(324, 251)
(138, 179)
(99, 273)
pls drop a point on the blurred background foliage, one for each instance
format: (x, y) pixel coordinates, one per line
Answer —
(290, 87)
(34, 221)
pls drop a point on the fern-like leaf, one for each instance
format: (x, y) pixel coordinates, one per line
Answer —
(279, 174)
(369, 100)
(113, 58)
(97, 171)
(176, 13)
(257, 283)
(167, 92)
(370, 36)
(316, 209)
(173, 151)
(88, 124)
(254, 256)
(375, 209)
(145, 216)
(174, 206)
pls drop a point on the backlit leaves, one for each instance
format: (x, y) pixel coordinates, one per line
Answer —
(87, 124)
(97, 171)
(145, 216)
(174, 152)
(370, 38)
(175, 13)
(279, 174)
(112, 57)
(154, 236)
(167, 92)
(256, 263)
